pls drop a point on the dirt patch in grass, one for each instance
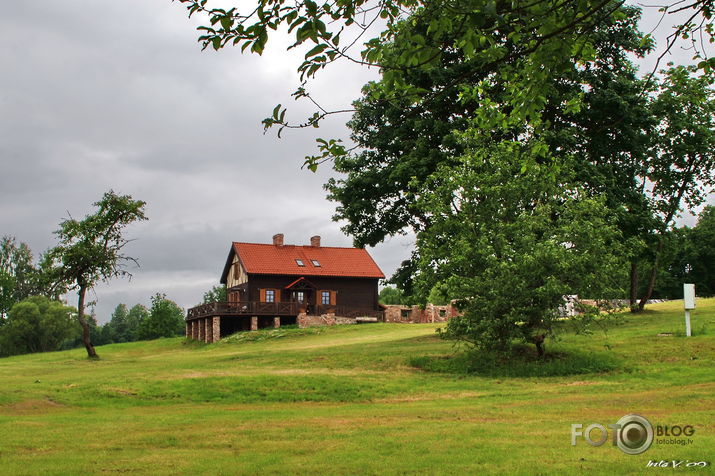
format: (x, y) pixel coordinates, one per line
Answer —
(124, 391)
(32, 407)
(431, 396)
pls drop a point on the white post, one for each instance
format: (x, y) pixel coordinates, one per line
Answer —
(688, 304)
(687, 323)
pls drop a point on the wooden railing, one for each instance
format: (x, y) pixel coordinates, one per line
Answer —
(254, 308)
(243, 308)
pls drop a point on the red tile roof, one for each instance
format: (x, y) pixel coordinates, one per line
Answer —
(340, 262)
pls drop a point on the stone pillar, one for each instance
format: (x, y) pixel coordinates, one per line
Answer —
(187, 332)
(276, 322)
(209, 330)
(216, 332)
(254, 323)
(202, 330)
(195, 330)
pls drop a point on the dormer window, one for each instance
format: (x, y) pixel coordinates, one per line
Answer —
(299, 262)
(315, 262)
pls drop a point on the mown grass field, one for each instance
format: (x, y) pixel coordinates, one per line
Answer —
(346, 400)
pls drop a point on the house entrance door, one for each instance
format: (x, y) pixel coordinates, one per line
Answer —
(302, 297)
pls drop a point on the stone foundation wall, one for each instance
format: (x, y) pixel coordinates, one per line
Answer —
(305, 320)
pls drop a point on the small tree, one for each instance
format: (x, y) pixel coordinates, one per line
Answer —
(390, 295)
(166, 319)
(90, 250)
(37, 324)
(215, 294)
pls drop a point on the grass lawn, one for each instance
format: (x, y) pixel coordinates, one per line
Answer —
(348, 400)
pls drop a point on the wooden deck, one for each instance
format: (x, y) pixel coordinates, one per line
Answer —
(275, 309)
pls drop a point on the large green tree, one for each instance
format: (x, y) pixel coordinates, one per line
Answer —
(620, 133)
(91, 250)
(593, 110)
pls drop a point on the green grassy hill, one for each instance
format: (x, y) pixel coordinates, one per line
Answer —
(347, 400)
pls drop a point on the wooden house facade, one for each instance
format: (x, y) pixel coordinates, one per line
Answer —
(269, 285)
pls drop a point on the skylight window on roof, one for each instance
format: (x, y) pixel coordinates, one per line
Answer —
(299, 262)
(315, 262)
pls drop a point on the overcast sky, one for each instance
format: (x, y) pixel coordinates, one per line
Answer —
(118, 95)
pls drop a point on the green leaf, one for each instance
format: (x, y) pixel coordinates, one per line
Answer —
(316, 50)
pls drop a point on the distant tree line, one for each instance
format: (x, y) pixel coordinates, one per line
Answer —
(34, 319)
(688, 257)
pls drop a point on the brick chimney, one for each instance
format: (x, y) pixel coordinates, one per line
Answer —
(315, 241)
(278, 239)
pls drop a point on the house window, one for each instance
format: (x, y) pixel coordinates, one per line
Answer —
(406, 313)
(442, 313)
(299, 262)
(325, 297)
(300, 296)
(315, 262)
(270, 295)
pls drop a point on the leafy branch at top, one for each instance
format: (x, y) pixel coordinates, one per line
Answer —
(527, 39)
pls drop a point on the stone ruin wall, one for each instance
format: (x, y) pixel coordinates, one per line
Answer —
(415, 314)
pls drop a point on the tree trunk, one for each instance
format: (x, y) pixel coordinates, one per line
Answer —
(539, 343)
(634, 286)
(653, 274)
(86, 339)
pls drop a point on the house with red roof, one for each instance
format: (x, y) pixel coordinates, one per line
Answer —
(269, 285)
